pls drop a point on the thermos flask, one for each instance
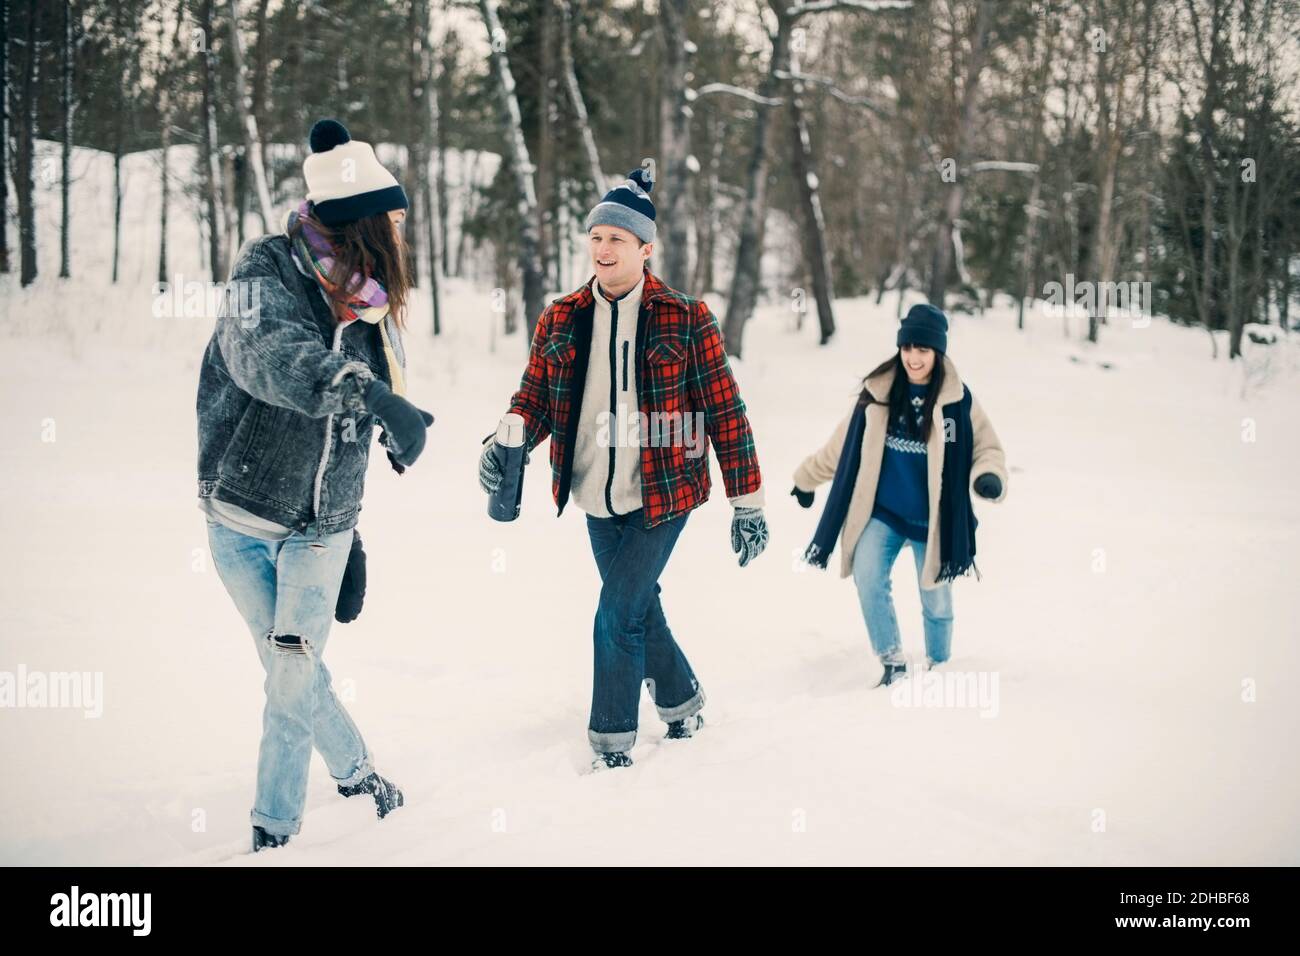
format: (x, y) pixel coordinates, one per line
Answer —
(503, 505)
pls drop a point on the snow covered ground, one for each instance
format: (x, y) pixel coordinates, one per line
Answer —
(1135, 613)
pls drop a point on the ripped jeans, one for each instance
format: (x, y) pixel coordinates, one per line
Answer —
(286, 591)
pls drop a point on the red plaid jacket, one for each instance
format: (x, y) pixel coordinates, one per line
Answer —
(681, 367)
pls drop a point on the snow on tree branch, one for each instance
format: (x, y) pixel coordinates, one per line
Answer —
(1002, 165)
(750, 95)
(868, 6)
(834, 90)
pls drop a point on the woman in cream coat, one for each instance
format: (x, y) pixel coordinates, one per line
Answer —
(923, 444)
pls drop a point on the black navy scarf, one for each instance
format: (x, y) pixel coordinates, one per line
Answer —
(957, 520)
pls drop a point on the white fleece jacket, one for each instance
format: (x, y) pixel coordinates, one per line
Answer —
(607, 436)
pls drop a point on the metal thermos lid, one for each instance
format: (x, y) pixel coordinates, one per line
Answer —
(510, 433)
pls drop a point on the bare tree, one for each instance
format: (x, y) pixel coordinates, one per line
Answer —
(248, 123)
(428, 135)
(126, 53)
(706, 214)
(596, 179)
(4, 136)
(437, 135)
(807, 188)
(978, 40)
(1043, 47)
(208, 144)
(25, 148)
(1209, 44)
(676, 200)
(1114, 53)
(530, 262)
(68, 106)
(261, 80)
(167, 75)
(416, 132)
(749, 249)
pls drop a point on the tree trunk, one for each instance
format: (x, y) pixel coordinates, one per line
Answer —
(1031, 243)
(706, 217)
(430, 135)
(439, 138)
(816, 257)
(595, 188)
(1110, 122)
(546, 147)
(942, 259)
(4, 136)
(749, 249)
(68, 108)
(676, 200)
(124, 48)
(1145, 154)
(261, 72)
(1206, 123)
(25, 153)
(164, 80)
(248, 123)
(208, 125)
(416, 134)
(530, 263)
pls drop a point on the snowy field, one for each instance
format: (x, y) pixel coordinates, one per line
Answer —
(1135, 615)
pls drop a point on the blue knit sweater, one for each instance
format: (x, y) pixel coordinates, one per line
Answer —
(903, 491)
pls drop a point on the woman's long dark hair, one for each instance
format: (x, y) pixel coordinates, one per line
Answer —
(373, 247)
(900, 403)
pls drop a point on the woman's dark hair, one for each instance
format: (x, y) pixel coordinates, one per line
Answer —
(900, 403)
(372, 247)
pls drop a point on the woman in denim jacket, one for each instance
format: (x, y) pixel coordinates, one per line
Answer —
(306, 355)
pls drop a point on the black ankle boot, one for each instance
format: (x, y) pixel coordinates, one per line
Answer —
(387, 797)
(686, 727)
(611, 761)
(266, 841)
(894, 670)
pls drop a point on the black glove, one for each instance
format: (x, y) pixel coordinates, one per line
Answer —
(404, 424)
(352, 593)
(805, 498)
(988, 485)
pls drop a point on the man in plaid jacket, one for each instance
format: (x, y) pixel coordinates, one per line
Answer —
(630, 381)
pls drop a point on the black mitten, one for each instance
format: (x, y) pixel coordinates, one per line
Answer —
(352, 593)
(805, 498)
(392, 459)
(988, 485)
(404, 423)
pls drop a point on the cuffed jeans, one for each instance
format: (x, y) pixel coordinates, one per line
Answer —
(873, 560)
(286, 592)
(631, 635)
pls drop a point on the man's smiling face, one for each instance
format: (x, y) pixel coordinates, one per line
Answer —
(618, 257)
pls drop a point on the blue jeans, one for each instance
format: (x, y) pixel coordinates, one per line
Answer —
(873, 560)
(632, 640)
(286, 592)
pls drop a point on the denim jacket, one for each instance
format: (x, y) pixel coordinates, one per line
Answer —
(282, 429)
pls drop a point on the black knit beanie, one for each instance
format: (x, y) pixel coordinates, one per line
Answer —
(924, 325)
